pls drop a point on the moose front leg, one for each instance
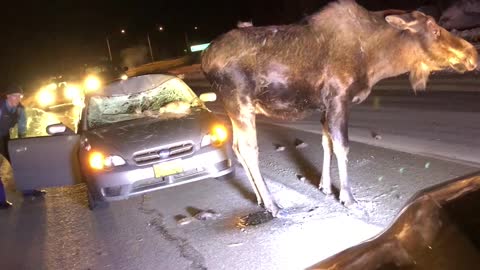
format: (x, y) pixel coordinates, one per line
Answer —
(246, 148)
(337, 118)
(326, 182)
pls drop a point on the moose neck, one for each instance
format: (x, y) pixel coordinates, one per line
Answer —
(393, 53)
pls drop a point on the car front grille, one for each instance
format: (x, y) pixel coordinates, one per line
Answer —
(162, 154)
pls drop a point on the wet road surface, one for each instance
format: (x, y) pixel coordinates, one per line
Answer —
(146, 232)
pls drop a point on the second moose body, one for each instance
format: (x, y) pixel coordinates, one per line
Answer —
(326, 64)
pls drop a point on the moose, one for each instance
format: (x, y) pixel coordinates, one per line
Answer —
(327, 64)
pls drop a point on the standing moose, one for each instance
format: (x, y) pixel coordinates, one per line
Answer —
(326, 64)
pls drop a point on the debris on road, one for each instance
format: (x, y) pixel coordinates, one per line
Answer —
(185, 220)
(300, 144)
(207, 215)
(279, 147)
(301, 177)
(376, 136)
(254, 219)
(235, 244)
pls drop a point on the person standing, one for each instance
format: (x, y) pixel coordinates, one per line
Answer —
(12, 113)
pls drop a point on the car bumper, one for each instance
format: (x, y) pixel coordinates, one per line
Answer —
(131, 180)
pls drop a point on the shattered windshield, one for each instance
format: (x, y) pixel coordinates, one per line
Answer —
(170, 99)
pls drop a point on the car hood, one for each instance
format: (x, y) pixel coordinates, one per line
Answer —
(127, 137)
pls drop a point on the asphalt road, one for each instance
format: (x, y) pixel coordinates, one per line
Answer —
(59, 232)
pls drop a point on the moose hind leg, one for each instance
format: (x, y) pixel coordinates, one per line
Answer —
(337, 117)
(341, 151)
(246, 149)
(326, 182)
(241, 159)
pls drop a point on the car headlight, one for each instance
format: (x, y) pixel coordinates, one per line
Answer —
(45, 97)
(99, 161)
(92, 83)
(72, 91)
(51, 87)
(216, 137)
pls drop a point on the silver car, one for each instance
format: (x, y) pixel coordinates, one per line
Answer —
(135, 136)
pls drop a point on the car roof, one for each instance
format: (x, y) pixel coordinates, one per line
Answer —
(133, 85)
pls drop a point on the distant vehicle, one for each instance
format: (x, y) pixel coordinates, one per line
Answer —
(105, 71)
(135, 136)
(58, 91)
(65, 90)
(439, 229)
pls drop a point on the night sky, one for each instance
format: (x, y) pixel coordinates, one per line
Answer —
(42, 38)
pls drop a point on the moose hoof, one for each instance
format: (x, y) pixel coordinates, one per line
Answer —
(346, 197)
(282, 213)
(327, 190)
(273, 209)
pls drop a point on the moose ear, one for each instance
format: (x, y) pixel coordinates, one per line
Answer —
(401, 22)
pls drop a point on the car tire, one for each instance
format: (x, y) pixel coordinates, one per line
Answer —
(94, 200)
(92, 203)
(227, 176)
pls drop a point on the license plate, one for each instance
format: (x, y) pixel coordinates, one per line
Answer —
(167, 168)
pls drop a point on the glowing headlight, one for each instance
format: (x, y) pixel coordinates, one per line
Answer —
(98, 161)
(72, 92)
(51, 87)
(45, 97)
(92, 83)
(216, 137)
(124, 77)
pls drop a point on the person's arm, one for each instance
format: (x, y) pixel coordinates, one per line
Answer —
(22, 122)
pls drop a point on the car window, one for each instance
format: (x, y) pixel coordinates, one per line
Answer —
(166, 100)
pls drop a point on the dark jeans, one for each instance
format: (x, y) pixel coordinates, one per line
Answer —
(4, 146)
(3, 152)
(3, 196)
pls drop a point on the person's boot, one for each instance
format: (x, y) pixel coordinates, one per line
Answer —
(5, 205)
(34, 192)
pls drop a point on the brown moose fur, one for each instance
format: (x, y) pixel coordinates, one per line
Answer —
(326, 64)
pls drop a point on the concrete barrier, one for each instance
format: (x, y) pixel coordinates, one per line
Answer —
(163, 66)
(157, 67)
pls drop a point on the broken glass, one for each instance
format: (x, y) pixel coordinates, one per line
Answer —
(171, 98)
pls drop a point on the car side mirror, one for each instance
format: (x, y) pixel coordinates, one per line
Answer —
(208, 97)
(58, 129)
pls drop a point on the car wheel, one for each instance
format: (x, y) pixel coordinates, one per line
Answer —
(227, 176)
(94, 201)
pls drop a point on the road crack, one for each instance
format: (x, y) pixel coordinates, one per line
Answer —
(187, 251)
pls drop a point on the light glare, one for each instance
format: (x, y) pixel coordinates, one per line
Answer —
(96, 160)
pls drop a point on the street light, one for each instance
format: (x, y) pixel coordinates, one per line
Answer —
(109, 50)
(160, 29)
(150, 46)
(122, 31)
(187, 40)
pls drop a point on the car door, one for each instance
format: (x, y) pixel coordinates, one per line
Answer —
(41, 162)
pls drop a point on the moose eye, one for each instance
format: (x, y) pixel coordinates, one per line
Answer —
(436, 32)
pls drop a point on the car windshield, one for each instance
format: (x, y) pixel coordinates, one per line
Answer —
(172, 98)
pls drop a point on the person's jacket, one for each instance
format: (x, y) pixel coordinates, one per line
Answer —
(11, 116)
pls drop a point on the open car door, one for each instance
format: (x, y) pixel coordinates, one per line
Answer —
(41, 162)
